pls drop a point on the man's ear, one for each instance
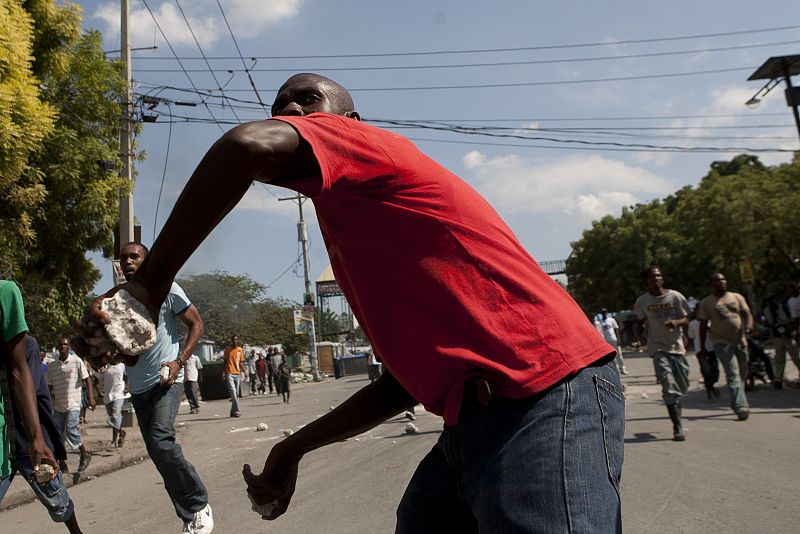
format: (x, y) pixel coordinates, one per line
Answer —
(352, 115)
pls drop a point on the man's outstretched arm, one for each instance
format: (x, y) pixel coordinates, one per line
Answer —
(268, 151)
(369, 407)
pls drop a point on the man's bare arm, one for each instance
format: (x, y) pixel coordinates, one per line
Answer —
(267, 151)
(24, 393)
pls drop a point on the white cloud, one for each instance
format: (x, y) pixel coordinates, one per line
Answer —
(265, 199)
(586, 187)
(247, 18)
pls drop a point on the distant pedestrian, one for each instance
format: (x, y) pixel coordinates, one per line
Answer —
(726, 316)
(284, 374)
(261, 372)
(664, 312)
(777, 317)
(252, 371)
(232, 373)
(66, 376)
(271, 370)
(191, 381)
(709, 366)
(113, 397)
(374, 366)
(275, 361)
(610, 330)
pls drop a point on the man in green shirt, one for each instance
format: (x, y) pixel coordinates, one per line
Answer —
(16, 381)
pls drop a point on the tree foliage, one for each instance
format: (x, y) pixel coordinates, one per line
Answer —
(71, 170)
(741, 212)
(25, 120)
(236, 304)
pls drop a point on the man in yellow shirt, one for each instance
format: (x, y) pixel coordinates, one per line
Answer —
(232, 372)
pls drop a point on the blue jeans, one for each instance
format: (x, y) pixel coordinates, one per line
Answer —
(233, 391)
(156, 410)
(114, 412)
(733, 359)
(67, 424)
(52, 495)
(672, 372)
(547, 464)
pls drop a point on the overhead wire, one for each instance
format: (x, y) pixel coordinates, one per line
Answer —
(163, 175)
(239, 51)
(509, 84)
(200, 48)
(530, 48)
(191, 82)
(492, 64)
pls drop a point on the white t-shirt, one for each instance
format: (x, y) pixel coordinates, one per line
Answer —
(694, 335)
(610, 327)
(794, 307)
(66, 378)
(113, 383)
(192, 368)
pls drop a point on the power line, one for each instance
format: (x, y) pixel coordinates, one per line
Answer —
(188, 25)
(560, 147)
(511, 84)
(163, 175)
(239, 51)
(191, 82)
(527, 48)
(599, 145)
(492, 64)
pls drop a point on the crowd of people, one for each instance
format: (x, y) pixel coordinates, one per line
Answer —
(722, 330)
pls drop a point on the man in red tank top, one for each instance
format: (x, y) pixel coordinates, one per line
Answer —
(531, 402)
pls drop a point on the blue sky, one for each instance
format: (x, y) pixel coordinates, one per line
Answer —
(535, 76)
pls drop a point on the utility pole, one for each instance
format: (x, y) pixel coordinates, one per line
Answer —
(308, 296)
(126, 230)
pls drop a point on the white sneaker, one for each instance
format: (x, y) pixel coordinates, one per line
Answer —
(203, 522)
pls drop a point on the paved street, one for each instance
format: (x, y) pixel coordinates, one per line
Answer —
(728, 477)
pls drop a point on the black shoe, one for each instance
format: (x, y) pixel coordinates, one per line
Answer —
(742, 414)
(62, 465)
(86, 459)
(677, 427)
(777, 384)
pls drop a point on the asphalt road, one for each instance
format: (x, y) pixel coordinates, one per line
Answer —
(728, 477)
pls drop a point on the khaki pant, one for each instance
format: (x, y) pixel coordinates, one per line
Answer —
(782, 346)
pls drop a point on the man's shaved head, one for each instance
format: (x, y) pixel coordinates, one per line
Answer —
(298, 95)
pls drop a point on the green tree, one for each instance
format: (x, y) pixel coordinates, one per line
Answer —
(741, 212)
(236, 304)
(74, 166)
(24, 122)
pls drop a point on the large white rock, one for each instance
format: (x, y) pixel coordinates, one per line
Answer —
(130, 328)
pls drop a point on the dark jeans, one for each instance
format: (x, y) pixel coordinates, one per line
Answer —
(253, 385)
(547, 464)
(709, 368)
(156, 410)
(192, 390)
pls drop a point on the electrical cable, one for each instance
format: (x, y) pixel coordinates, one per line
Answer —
(492, 64)
(191, 31)
(163, 176)
(529, 48)
(191, 82)
(249, 77)
(510, 84)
